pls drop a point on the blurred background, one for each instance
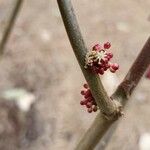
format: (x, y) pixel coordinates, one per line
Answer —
(41, 79)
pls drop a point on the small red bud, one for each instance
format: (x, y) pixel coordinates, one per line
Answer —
(89, 110)
(87, 94)
(110, 55)
(89, 99)
(95, 108)
(89, 105)
(82, 92)
(112, 70)
(107, 45)
(85, 86)
(82, 103)
(101, 71)
(115, 66)
(96, 47)
(85, 102)
(105, 68)
(106, 60)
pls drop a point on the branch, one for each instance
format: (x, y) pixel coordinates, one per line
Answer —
(130, 82)
(122, 94)
(107, 106)
(10, 25)
(107, 137)
(136, 72)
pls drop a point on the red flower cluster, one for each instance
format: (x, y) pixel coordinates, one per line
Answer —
(98, 60)
(89, 100)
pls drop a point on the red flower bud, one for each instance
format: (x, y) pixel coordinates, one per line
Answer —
(95, 108)
(89, 110)
(96, 47)
(85, 86)
(112, 70)
(115, 66)
(107, 45)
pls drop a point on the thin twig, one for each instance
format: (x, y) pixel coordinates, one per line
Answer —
(136, 72)
(107, 106)
(10, 25)
(122, 94)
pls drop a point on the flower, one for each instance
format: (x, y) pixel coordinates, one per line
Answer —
(98, 59)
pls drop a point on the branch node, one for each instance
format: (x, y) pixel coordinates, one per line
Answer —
(117, 113)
